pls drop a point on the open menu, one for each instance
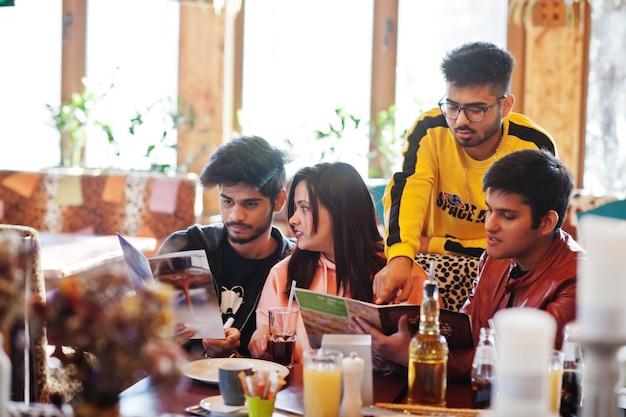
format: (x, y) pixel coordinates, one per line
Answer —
(330, 314)
(188, 272)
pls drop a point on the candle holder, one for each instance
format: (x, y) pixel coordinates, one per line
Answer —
(601, 376)
(601, 317)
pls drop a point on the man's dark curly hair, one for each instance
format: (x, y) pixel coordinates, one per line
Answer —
(248, 160)
(479, 63)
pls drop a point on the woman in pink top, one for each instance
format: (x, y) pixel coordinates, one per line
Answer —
(339, 248)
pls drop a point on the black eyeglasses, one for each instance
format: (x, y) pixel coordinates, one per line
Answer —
(473, 113)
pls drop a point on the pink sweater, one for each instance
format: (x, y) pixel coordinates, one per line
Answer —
(273, 294)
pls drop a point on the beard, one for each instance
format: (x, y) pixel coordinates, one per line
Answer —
(256, 232)
(490, 131)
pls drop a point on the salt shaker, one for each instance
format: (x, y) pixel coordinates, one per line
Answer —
(352, 371)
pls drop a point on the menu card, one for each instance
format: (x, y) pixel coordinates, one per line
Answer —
(330, 314)
(188, 272)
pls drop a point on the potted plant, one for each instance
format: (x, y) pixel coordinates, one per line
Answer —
(170, 118)
(72, 119)
(384, 145)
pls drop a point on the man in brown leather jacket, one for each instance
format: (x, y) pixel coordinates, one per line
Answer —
(529, 260)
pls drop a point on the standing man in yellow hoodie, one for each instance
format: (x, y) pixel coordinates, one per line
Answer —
(436, 203)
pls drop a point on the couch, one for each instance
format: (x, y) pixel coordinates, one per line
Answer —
(98, 202)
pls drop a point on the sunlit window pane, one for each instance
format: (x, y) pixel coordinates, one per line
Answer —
(133, 45)
(426, 32)
(302, 60)
(30, 77)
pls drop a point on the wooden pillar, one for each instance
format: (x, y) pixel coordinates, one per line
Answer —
(384, 58)
(238, 68)
(554, 85)
(207, 59)
(516, 44)
(73, 54)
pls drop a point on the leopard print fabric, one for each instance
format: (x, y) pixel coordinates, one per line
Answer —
(455, 275)
(47, 383)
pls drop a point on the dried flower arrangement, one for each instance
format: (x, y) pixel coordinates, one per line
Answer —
(115, 334)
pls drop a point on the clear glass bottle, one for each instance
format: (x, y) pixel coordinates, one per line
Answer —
(484, 369)
(428, 354)
(573, 375)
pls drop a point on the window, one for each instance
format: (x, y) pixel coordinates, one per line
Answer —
(605, 152)
(131, 44)
(302, 60)
(426, 32)
(29, 78)
(134, 45)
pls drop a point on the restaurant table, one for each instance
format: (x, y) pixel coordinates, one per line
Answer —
(143, 399)
(66, 254)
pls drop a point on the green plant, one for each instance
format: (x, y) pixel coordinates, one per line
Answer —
(384, 143)
(173, 118)
(72, 118)
(336, 130)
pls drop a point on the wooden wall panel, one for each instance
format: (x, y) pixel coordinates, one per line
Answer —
(516, 44)
(384, 61)
(555, 87)
(200, 84)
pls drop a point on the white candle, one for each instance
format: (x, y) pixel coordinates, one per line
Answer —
(525, 339)
(601, 310)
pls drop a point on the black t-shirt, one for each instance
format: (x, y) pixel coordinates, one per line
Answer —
(238, 281)
(239, 288)
(516, 273)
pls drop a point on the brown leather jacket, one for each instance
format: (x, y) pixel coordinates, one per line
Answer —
(550, 286)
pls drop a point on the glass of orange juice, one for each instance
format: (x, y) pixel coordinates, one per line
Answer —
(555, 375)
(322, 382)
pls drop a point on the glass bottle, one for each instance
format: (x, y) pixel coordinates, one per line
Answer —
(484, 369)
(428, 354)
(573, 373)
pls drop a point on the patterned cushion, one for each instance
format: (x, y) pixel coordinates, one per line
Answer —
(133, 203)
(455, 275)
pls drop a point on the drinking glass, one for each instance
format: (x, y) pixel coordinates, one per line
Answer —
(283, 325)
(555, 375)
(322, 382)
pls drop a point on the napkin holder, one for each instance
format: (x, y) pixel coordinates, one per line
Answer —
(361, 344)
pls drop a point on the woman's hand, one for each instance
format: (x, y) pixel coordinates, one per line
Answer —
(221, 348)
(259, 343)
(394, 347)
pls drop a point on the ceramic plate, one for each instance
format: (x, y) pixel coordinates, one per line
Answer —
(216, 406)
(206, 370)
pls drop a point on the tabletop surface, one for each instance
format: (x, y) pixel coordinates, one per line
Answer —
(144, 399)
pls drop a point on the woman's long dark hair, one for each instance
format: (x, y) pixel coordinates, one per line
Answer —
(357, 241)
